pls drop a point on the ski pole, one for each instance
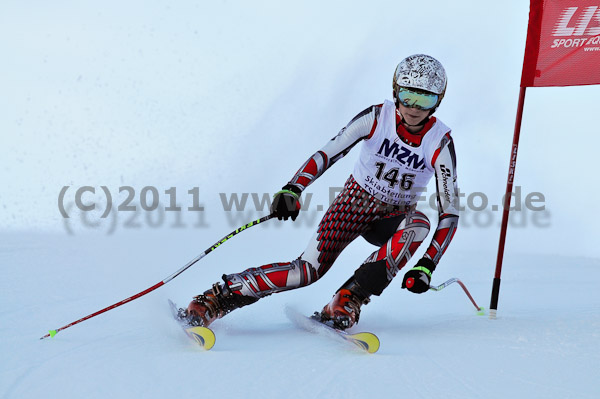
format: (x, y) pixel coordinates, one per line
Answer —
(455, 280)
(52, 333)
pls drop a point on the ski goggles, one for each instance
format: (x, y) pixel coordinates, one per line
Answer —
(413, 99)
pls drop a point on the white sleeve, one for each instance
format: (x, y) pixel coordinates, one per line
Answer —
(444, 163)
(360, 127)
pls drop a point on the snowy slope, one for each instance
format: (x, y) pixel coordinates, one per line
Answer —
(544, 344)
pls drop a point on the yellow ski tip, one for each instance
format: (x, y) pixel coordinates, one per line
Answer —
(203, 336)
(366, 341)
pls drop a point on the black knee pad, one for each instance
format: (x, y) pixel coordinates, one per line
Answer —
(372, 277)
(380, 231)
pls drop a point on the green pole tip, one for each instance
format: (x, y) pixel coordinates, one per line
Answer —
(52, 333)
(481, 311)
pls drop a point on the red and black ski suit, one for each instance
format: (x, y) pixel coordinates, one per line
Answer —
(396, 227)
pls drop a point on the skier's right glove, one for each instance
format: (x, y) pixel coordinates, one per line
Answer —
(286, 203)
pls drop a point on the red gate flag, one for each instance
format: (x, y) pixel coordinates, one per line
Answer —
(562, 49)
(563, 43)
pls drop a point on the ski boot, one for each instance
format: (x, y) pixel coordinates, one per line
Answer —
(343, 311)
(213, 304)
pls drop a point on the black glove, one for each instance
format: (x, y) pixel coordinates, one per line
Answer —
(286, 203)
(418, 278)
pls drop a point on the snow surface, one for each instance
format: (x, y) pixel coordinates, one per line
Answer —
(543, 345)
(232, 97)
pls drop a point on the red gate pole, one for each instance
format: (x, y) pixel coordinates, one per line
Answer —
(506, 205)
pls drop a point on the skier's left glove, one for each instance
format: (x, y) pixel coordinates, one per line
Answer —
(286, 203)
(418, 278)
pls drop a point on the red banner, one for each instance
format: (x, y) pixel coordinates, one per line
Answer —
(563, 43)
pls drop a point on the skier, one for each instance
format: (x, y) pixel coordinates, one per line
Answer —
(403, 146)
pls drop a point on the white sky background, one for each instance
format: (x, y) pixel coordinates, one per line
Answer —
(234, 96)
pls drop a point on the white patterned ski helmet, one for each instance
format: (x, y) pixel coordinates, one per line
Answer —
(421, 72)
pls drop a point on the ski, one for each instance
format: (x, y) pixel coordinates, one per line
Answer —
(366, 341)
(203, 336)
